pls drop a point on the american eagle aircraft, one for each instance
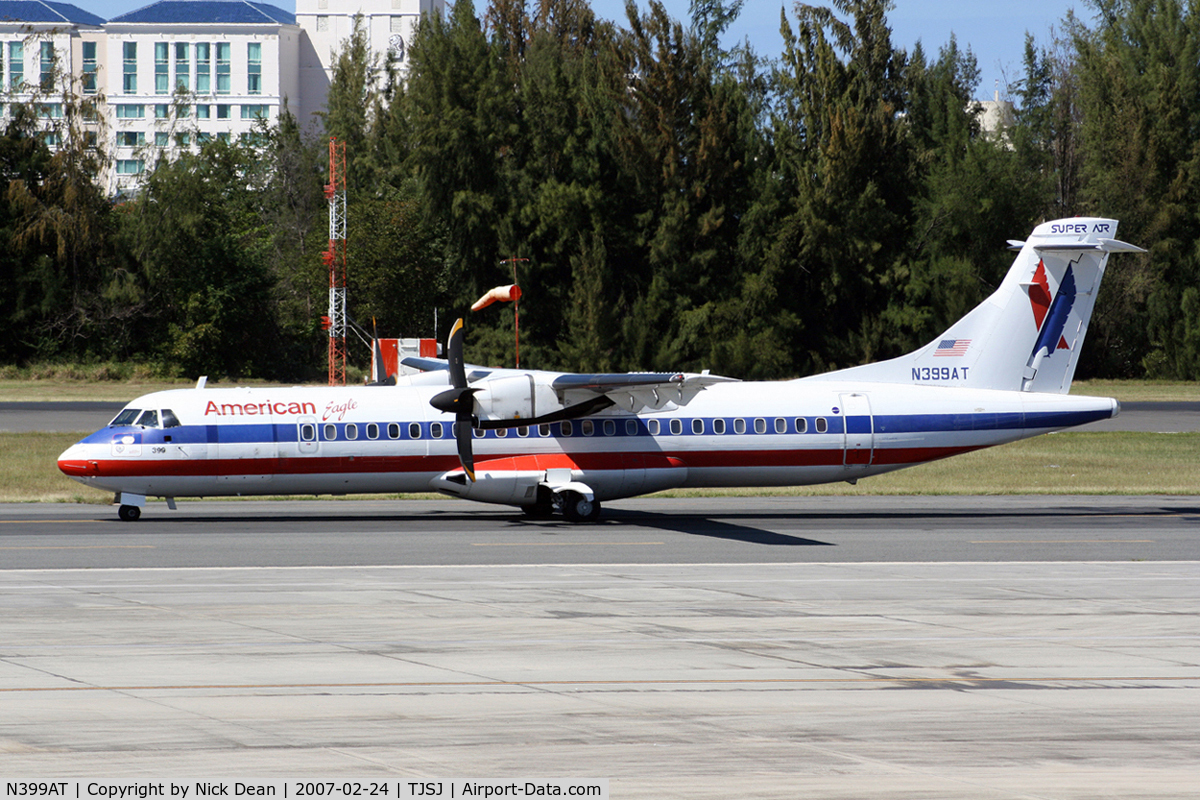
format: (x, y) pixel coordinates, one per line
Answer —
(558, 442)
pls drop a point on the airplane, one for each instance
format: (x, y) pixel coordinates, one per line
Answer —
(551, 442)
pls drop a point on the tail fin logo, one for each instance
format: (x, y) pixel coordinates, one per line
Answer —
(1039, 295)
(1051, 316)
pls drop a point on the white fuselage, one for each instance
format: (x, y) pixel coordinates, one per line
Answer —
(388, 439)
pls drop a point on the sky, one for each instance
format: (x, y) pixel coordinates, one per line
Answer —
(994, 31)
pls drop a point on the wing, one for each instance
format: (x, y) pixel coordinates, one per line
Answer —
(506, 398)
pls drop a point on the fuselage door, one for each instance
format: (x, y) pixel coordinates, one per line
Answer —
(306, 436)
(859, 430)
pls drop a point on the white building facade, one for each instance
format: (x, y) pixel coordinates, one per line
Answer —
(177, 73)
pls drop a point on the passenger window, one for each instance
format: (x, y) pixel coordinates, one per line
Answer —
(502, 433)
(653, 427)
(676, 427)
(479, 434)
(631, 427)
(308, 432)
(760, 425)
(414, 430)
(801, 425)
(393, 430)
(126, 417)
(567, 428)
(822, 426)
(697, 426)
(610, 428)
(587, 428)
(330, 432)
(435, 430)
(372, 431)
(351, 431)
(523, 431)
(780, 425)
(169, 420)
(739, 426)
(719, 426)
(148, 419)
(543, 430)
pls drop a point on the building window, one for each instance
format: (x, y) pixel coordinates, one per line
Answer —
(162, 80)
(129, 166)
(161, 139)
(223, 67)
(130, 138)
(322, 24)
(129, 76)
(131, 111)
(16, 66)
(183, 67)
(183, 140)
(223, 136)
(47, 67)
(89, 68)
(255, 112)
(203, 68)
(254, 68)
(50, 110)
(201, 112)
(222, 112)
(183, 111)
(162, 111)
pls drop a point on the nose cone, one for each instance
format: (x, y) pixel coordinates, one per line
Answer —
(74, 462)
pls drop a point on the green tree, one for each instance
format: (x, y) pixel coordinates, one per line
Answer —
(1139, 79)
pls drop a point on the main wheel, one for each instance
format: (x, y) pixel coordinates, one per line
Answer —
(578, 508)
(129, 513)
(543, 507)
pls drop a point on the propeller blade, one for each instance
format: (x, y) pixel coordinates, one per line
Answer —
(459, 400)
(466, 457)
(454, 355)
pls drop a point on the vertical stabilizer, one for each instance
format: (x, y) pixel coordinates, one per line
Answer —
(1027, 335)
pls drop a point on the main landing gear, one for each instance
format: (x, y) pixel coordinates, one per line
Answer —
(573, 505)
(129, 513)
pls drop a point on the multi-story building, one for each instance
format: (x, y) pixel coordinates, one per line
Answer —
(178, 72)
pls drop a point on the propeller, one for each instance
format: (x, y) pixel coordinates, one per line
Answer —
(459, 400)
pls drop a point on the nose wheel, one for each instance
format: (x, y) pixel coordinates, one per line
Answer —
(129, 513)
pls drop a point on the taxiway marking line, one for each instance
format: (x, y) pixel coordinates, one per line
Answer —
(81, 547)
(559, 544)
(1062, 541)
(663, 682)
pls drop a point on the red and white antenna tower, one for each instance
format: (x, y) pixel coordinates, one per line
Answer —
(335, 257)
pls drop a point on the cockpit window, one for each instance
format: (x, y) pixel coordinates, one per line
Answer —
(148, 419)
(126, 417)
(169, 420)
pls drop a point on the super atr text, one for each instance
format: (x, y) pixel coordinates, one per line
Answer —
(397, 790)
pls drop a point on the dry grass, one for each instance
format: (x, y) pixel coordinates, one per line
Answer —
(1140, 391)
(1059, 463)
(1062, 463)
(29, 470)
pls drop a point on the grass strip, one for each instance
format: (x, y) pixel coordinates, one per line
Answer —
(1060, 463)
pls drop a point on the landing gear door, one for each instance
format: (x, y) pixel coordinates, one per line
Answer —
(859, 430)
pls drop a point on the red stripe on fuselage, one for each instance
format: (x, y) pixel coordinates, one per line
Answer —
(586, 461)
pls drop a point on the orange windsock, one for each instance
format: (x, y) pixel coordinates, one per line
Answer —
(506, 293)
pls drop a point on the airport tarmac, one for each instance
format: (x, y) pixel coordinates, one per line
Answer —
(772, 648)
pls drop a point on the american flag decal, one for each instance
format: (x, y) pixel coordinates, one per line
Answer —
(952, 347)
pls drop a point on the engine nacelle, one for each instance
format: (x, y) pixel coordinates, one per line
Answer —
(514, 397)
